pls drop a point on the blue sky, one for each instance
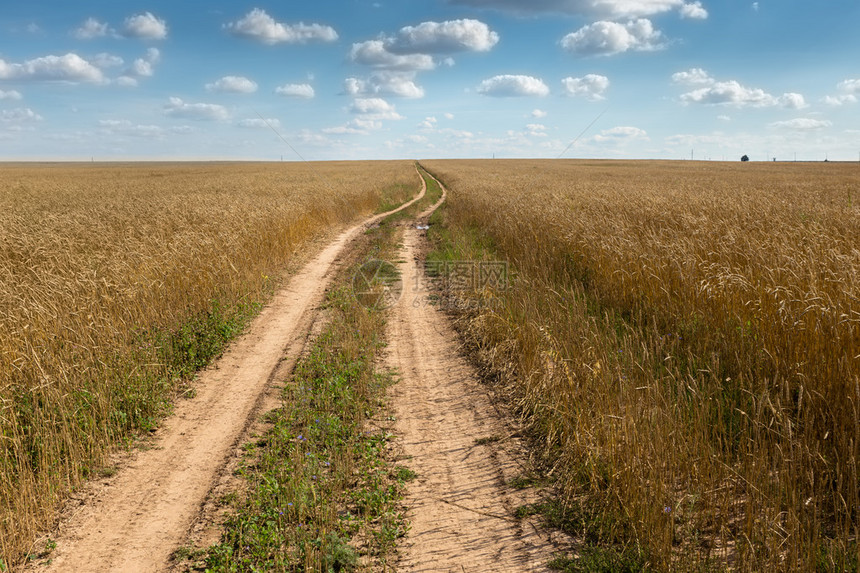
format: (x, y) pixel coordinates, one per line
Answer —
(378, 79)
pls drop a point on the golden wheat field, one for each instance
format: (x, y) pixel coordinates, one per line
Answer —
(685, 337)
(118, 281)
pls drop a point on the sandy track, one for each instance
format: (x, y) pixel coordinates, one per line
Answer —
(135, 520)
(460, 509)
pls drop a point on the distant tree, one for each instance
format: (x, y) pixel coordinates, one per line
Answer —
(745, 158)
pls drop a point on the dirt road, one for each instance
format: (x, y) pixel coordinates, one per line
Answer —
(134, 520)
(460, 509)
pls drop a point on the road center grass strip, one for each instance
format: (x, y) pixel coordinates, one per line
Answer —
(320, 477)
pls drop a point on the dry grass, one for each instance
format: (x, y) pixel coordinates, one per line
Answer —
(116, 280)
(686, 336)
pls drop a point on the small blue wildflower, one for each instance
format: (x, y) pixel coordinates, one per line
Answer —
(667, 510)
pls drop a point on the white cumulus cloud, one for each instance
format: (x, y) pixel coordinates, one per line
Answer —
(792, 101)
(199, 111)
(142, 68)
(374, 109)
(374, 54)
(443, 37)
(513, 86)
(618, 9)
(693, 77)
(105, 60)
(592, 86)
(849, 86)
(606, 38)
(731, 93)
(232, 84)
(802, 124)
(145, 67)
(67, 68)
(145, 26)
(694, 11)
(536, 130)
(840, 99)
(305, 91)
(19, 115)
(127, 128)
(385, 83)
(258, 25)
(10, 95)
(849, 90)
(538, 113)
(91, 29)
(428, 123)
(359, 125)
(258, 123)
(621, 134)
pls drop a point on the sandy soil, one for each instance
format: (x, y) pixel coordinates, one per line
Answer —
(460, 508)
(136, 519)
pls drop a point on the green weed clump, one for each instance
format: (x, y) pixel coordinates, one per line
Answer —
(684, 338)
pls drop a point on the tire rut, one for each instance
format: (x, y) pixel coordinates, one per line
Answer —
(460, 508)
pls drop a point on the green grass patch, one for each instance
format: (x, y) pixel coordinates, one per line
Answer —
(323, 494)
(322, 490)
(526, 481)
(838, 557)
(593, 559)
(195, 343)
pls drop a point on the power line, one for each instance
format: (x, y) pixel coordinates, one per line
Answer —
(582, 133)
